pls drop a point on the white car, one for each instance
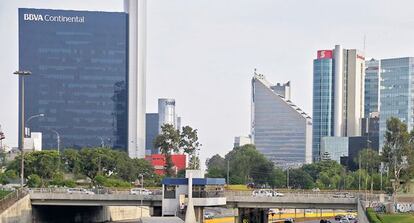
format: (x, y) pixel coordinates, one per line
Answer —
(344, 220)
(140, 191)
(208, 215)
(79, 191)
(262, 193)
(316, 189)
(277, 194)
(350, 217)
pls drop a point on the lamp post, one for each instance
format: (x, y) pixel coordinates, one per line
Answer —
(58, 145)
(58, 139)
(22, 74)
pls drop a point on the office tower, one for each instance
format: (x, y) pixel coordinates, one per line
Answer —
(323, 100)
(280, 129)
(166, 112)
(151, 133)
(372, 83)
(396, 93)
(78, 61)
(88, 76)
(136, 10)
(166, 115)
(334, 147)
(241, 141)
(338, 94)
(370, 129)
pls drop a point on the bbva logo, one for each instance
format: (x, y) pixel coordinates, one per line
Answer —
(33, 17)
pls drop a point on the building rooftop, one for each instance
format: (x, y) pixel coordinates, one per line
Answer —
(196, 181)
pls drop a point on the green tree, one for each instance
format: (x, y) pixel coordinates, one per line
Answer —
(34, 180)
(42, 163)
(189, 143)
(249, 165)
(71, 161)
(278, 178)
(298, 178)
(216, 167)
(168, 141)
(397, 150)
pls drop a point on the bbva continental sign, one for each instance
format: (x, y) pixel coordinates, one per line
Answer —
(53, 18)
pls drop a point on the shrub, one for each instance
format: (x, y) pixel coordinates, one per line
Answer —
(34, 181)
(372, 216)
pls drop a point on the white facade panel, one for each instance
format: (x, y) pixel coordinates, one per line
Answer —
(338, 93)
(136, 10)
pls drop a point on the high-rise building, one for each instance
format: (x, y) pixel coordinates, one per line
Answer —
(137, 49)
(166, 115)
(338, 94)
(396, 93)
(241, 141)
(151, 133)
(370, 129)
(166, 112)
(280, 129)
(78, 61)
(88, 76)
(335, 147)
(372, 83)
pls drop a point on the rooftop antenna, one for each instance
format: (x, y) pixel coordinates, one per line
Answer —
(365, 38)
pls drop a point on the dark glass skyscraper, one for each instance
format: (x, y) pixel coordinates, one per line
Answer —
(79, 65)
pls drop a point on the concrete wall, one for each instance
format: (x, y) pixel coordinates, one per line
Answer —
(119, 213)
(362, 217)
(19, 212)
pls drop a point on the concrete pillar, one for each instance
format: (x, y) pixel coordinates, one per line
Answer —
(199, 214)
(190, 214)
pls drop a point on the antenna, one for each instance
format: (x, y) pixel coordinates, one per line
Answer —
(365, 38)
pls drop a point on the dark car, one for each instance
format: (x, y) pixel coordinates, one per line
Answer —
(324, 221)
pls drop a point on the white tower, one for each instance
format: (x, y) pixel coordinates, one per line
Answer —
(136, 10)
(166, 112)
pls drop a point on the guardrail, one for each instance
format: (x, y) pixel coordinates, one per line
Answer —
(12, 198)
(95, 190)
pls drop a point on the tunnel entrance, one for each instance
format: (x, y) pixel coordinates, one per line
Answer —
(67, 214)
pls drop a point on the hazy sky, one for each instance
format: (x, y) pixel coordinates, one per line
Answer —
(203, 52)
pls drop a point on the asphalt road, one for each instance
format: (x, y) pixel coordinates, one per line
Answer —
(317, 221)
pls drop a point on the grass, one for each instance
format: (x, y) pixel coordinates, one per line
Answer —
(394, 218)
(3, 193)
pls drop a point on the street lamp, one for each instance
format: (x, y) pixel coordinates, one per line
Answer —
(58, 139)
(58, 145)
(32, 117)
(22, 74)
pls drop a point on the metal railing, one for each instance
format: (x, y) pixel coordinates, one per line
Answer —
(12, 198)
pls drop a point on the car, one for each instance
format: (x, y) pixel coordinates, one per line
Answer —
(324, 221)
(277, 194)
(338, 217)
(350, 217)
(79, 191)
(344, 220)
(316, 189)
(289, 220)
(262, 193)
(140, 191)
(208, 215)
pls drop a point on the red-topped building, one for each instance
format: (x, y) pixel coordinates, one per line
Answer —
(158, 161)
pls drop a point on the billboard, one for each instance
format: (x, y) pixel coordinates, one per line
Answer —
(325, 54)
